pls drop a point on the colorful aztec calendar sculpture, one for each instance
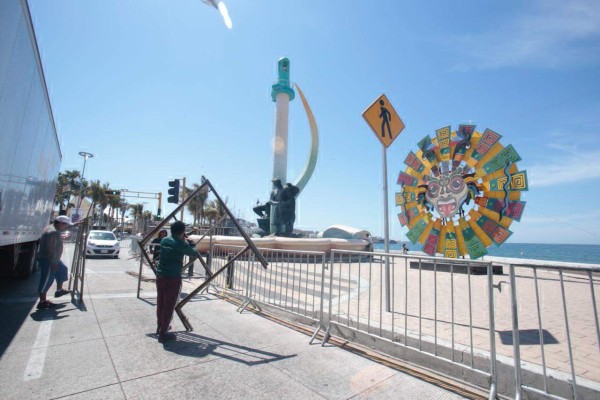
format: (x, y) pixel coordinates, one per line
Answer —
(461, 192)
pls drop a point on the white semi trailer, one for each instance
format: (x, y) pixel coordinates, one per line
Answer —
(30, 153)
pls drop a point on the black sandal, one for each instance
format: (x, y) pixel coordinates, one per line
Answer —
(61, 292)
(44, 305)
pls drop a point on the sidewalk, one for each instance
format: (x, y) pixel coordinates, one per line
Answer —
(110, 351)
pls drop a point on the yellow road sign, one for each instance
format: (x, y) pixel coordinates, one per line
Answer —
(383, 120)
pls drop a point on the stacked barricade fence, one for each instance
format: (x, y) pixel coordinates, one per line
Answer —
(77, 275)
(292, 282)
(134, 246)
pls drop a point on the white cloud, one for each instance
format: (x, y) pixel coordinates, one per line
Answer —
(551, 34)
(572, 167)
(566, 147)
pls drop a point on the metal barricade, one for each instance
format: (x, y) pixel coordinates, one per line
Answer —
(443, 314)
(431, 311)
(293, 281)
(77, 276)
(134, 246)
(557, 306)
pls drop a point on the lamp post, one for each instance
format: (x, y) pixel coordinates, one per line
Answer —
(85, 156)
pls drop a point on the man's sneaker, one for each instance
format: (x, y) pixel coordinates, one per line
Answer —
(61, 292)
(44, 305)
(166, 337)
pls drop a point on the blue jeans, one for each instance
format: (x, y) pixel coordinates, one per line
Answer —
(48, 276)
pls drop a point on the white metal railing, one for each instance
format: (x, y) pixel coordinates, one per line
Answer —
(430, 311)
(446, 310)
(292, 282)
(575, 334)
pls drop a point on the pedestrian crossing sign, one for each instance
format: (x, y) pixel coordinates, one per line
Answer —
(383, 120)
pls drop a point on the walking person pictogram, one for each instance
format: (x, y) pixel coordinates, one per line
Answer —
(385, 116)
(383, 120)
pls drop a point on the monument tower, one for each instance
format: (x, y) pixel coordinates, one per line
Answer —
(281, 93)
(277, 216)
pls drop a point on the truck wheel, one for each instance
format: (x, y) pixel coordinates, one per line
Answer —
(27, 264)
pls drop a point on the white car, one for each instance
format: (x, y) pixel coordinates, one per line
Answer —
(102, 244)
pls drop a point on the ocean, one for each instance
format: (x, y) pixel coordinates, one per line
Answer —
(575, 253)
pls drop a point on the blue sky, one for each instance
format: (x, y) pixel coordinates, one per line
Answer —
(160, 89)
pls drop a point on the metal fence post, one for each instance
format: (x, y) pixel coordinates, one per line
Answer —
(328, 330)
(568, 332)
(249, 273)
(322, 324)
(492, 323)
(515, 331)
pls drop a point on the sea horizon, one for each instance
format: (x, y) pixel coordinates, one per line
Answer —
(573, 253)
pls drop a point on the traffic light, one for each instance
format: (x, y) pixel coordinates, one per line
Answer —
(173, 191)
(112, 192)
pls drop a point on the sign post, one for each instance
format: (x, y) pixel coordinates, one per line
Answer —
(386, 125)
(76, 214)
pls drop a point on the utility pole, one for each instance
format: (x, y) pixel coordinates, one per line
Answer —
(159, 203)
(182, 198)
(85, 156)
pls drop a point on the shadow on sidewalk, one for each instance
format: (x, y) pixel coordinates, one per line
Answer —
(50, 313)
(193, 345)
(528, 336)
(79, 304)
(17, 299)
(201, 297)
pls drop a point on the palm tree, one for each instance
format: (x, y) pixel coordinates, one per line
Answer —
(196, 205)
(210, 212)
(113, 203)
(104, 200)
(61, 190)
(80, 188)
(221, 208)
(67, 184)
(123, 207)
(137, 211)
(96, 192)
(214, 210)
(146, 217)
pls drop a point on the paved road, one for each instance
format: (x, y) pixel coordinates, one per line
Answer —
(109, 351)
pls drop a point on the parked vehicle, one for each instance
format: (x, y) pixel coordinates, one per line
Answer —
(29, 148)
(102, 244)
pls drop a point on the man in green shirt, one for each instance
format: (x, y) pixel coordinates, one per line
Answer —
(168, 277)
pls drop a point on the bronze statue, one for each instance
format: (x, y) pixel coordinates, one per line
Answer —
(264, 210)
(288, 209)
(279, 211)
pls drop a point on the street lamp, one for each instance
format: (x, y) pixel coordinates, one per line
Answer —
(85, 156)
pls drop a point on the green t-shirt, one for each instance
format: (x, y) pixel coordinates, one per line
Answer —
(172, 250)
